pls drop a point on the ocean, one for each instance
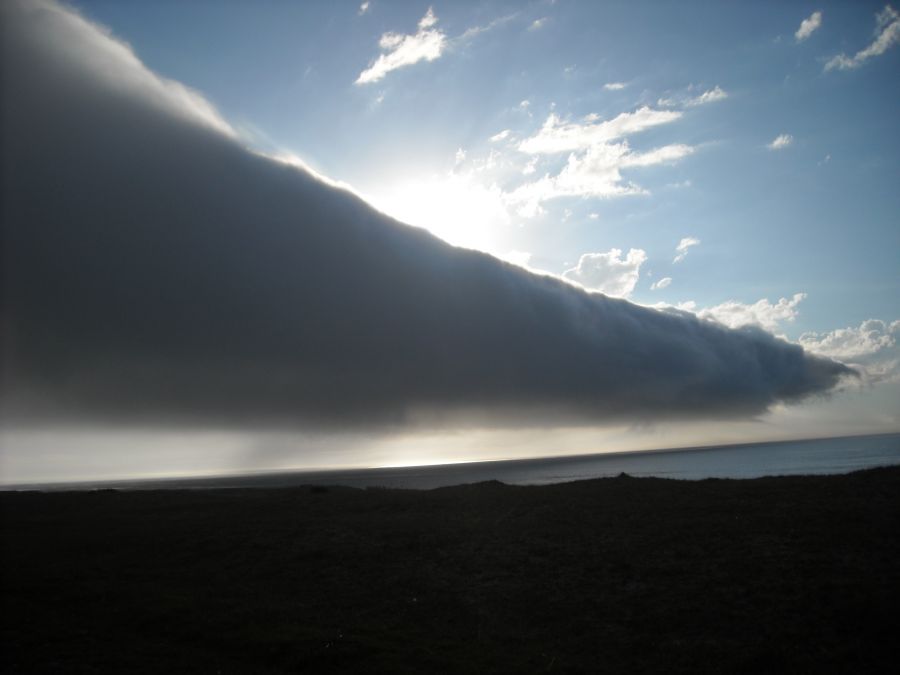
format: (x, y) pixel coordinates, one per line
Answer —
(819, 456)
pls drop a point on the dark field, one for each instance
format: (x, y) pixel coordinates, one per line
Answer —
(797, 574)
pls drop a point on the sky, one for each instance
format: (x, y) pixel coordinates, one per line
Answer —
(730, 165)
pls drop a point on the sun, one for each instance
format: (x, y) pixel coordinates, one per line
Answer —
(457, 208)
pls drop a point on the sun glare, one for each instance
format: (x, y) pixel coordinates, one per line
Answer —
(455, 208)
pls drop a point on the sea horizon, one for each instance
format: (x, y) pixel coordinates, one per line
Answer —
(824, 455)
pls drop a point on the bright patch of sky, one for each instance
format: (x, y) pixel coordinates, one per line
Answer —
(598, 142)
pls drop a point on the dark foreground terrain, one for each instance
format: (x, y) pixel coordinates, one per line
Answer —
(798, 574)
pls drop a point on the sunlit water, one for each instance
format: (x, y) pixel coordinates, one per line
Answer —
(823, 456)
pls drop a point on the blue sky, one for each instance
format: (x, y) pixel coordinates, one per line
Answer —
(737, 160)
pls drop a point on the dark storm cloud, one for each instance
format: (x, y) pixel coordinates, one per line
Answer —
(155, 270)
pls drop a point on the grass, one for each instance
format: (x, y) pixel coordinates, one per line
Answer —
(789, 574)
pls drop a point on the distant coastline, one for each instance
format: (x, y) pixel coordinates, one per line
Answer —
(539, 470)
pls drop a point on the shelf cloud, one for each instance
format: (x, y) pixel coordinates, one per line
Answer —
(155, 271)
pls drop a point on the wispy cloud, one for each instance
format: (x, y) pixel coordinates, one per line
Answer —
(427, 44)
(537, 24)
(595, 162)
(593, 173)
(681, 250)
(614, 86)
(662, 283)
(502, 135)
(478, 30)
(558, 136)
(711, 96)
(609, 273)
(808, 26)
(887, 34)
(364, 7)
(780, 142)
(687, 101)
(663, 155)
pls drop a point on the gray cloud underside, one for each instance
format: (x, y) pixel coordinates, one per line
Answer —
(156, 271)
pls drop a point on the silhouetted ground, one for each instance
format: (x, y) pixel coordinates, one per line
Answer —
(794, 574)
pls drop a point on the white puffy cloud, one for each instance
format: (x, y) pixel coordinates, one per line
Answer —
(662, 283)
(594, 165)
(710, 96)
(494, 160)
(780, 142)
(847, 344)
(887, 34)
(608, 273)
(662, 155)
(681, 250)
(761, 313)
(593, 173)
(428, 20)
(427, 44)
(808, 26)
(614, 86)
(531, 167)
(871, 348)
(363, 8)
(596, 172)
(556, 136)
